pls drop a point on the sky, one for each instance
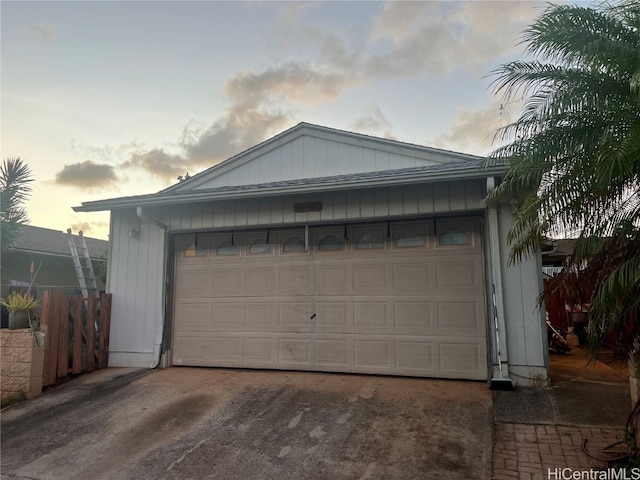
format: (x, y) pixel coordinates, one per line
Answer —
(118, 98)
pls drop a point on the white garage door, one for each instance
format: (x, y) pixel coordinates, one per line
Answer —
(399, 298)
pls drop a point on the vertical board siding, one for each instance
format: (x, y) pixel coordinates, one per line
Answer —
(474, 194)
(521, 287)
(423, 199)
(309, 156)
(137, 271)
(137, 264)
(410, 198)
(457, 199)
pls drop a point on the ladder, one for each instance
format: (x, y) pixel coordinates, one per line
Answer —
(84, 267)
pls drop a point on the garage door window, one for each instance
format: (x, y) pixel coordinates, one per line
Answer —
(411, 239)
(259, 247)
(293, 244)
(192, 249)
(331, 243)
(369, 240)
(226, 249)
(454, 236)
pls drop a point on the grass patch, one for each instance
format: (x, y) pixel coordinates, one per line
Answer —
(12, 400)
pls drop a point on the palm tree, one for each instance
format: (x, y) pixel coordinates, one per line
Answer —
(573, 155)
(573, 160)
(15, 188)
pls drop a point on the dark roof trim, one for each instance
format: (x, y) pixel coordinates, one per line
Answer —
(49, 254)
(428, 174)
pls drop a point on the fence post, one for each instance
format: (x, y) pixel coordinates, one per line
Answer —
(78, 303)
(51, 306)
(91, 333)
(105, 325)
(63, 341)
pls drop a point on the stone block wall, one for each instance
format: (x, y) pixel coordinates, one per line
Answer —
(21, 363)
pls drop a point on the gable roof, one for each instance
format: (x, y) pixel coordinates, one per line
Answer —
(428, 165)
(419, 154)
(53, 242)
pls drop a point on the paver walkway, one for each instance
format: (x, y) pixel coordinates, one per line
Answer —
(531, 452)
(538, 432)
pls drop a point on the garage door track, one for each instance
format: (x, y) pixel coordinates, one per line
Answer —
(182, 423)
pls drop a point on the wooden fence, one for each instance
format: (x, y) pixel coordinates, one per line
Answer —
(77, 334)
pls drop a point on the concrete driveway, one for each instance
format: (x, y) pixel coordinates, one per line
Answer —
(195, 423)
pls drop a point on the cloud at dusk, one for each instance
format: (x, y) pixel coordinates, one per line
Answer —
(87, 175)
(373, 122)
(418, 40)
(44, 32)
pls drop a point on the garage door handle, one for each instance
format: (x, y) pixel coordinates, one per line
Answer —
(313, 316)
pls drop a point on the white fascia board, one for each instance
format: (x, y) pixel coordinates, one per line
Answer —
(204, 195)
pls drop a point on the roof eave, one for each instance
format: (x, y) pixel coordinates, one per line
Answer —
(48, 254)
(159, 200)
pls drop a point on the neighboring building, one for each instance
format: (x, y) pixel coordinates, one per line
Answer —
(48, 251)
(556, 254)
(326, 250)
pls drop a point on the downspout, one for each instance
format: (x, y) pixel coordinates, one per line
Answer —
(142, 216)
(157, 349)
(501, 368)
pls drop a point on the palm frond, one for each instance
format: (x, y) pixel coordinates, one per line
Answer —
(573, 154)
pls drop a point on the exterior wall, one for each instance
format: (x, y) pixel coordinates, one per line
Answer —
(136, 273)
(525, 329)
(137, 265)
(349, 205)
(311, 156)
(22, 363)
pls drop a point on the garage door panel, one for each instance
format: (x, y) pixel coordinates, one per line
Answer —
(332, 278)
(193, 281)
(459, 315)
(226, 349)
(295, 316)
(405, 300)
(260, 280)
(368, 278)
(414, 355)
(191, 350)
(228, 281)
(228, 315)
(294, 351)
(375, 353)
(334, 352)
(294, 279)
(413, 315)
(460, 357)
(333, 316)
(369, 315)
(260, 316)
(260, 351)
(411, 277)
(194, 314)
(464, 273)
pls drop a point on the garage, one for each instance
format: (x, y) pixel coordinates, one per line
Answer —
(326, 250)
(397, 297)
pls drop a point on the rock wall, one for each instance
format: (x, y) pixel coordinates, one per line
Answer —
(21, 363)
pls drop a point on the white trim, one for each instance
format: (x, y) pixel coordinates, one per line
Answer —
(132, 359)
(500, 370)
